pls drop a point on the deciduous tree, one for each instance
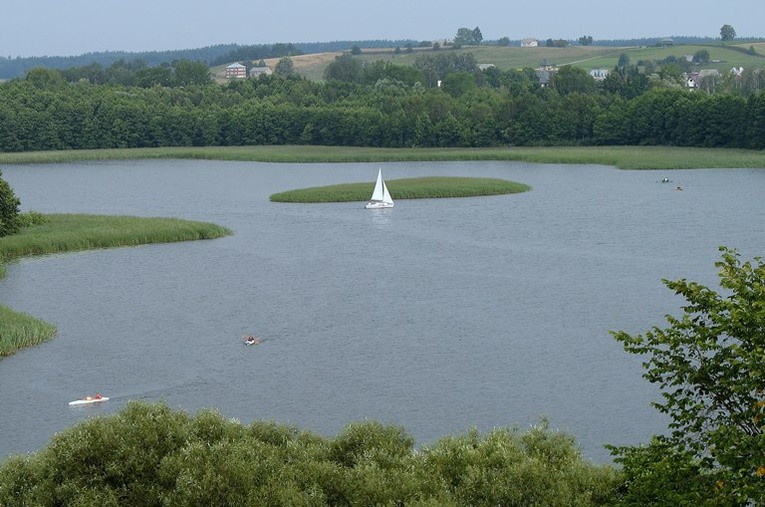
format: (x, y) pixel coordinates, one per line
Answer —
(710, 366)
(9, 209)
(727, 33)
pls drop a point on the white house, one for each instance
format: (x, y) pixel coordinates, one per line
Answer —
(236, 71)
(260, 71)
(599, 74)
(529, 42)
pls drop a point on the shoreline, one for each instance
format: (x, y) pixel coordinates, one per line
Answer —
(71, 233)
(622, 157)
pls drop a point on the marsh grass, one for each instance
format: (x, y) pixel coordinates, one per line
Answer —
(406, 188)
(19, 330)
(67, 233)
(624, 157)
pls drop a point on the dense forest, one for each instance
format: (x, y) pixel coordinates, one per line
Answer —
(444, 100)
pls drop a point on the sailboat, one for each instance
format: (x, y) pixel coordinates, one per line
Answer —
(380, 196)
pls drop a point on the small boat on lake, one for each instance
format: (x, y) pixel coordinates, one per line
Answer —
(380, 196)
(89, 400)
(252, 340)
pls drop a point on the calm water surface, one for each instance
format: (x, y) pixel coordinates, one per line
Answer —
(438, 315)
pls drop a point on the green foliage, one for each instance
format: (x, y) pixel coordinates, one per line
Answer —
(727, 33)
(285, 67)
(31, 218)
(570, 79)
(344, 68)
(376, 103)
(701, 57)
(437, 67)
(624, 157)
(662, 474)
(540, 467)
(9, 209)
(466, 36)
(151, 455)
(66, 233)
(19, 330)
(710, 366)
(585, 40)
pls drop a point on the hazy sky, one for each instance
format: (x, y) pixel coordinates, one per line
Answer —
(70, 27)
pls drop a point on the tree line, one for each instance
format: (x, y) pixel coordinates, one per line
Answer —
(443, 100)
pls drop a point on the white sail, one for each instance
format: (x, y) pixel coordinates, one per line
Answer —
(386, 198)
(377, 194)
(380, 196)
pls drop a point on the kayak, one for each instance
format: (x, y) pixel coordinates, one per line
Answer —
(88, 401)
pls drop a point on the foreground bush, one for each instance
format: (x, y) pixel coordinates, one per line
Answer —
(151, 455)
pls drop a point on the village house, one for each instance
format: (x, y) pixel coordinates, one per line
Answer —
(529, 42)
(693, 79)
(236, 71)
(599, 74)
(545, 72)
(256, 72)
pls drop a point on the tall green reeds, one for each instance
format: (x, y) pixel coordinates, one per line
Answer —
(66, 233)
(625, 157)
(405, 188)
(19, 330)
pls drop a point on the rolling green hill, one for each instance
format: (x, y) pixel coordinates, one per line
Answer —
(588, 57)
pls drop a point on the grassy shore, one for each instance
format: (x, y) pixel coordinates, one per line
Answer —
(624, 157)
(406, 188)
(66, 233)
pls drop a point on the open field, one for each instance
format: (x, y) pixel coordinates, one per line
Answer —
(405, 188)
(309, 66)
(504, 58)
(67, 233)
(623, 157)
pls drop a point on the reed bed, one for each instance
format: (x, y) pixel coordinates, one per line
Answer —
(405, 188)
(66, 233)
(19, 330)
(624, 157)
(70, 232)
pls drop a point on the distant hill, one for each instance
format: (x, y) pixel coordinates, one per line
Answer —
(317, 55)
(211, 55)
(15, 67)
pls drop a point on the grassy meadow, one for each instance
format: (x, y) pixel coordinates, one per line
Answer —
(513, 57)
(67, 233)
(623, 157)
(406, 188)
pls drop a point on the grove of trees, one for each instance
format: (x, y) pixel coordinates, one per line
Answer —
(373, 104)
(149, 455)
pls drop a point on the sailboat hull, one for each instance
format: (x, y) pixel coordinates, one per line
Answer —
(378, 205)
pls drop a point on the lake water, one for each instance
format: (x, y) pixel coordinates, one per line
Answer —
(438, 315)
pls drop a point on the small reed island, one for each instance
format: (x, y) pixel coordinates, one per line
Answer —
(405, 188)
